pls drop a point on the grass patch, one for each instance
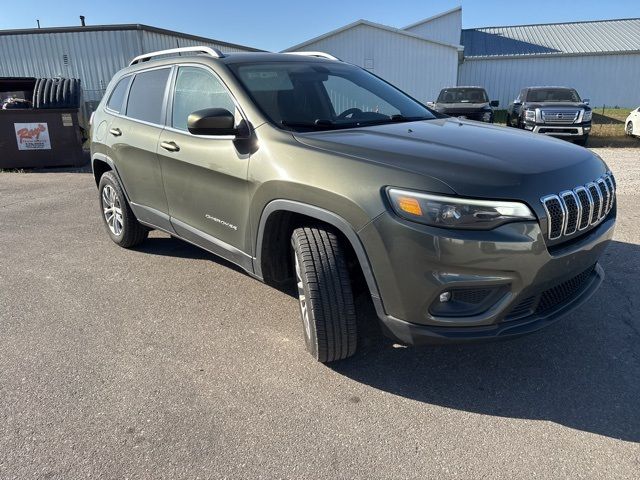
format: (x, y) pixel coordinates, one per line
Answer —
(607, 122)
(12, 170)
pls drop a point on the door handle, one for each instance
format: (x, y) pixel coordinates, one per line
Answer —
(170, 146)
(116, 132)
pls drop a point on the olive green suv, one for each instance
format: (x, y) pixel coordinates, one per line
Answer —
(316, 174)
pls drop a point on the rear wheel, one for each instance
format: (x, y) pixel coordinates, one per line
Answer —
(324, 293)
(122, 225)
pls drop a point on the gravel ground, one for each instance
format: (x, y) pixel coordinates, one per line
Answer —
(165, 362)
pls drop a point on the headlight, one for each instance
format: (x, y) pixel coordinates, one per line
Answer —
(454, 212)
(486, 117)
(587, 115)
(530, 115)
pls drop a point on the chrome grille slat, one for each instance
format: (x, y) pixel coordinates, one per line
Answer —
(586, 202)
(606, 196)
(559, 116)
(597, 202)
(575, 210)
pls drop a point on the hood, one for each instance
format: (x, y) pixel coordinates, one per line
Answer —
(556, 105)
(473, 159)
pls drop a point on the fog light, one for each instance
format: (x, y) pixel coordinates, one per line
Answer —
(445, 297)
(467, 301)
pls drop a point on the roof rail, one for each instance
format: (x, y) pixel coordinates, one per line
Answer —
(214, 52)
(328, 56)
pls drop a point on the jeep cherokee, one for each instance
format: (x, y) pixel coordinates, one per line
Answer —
(311, 172)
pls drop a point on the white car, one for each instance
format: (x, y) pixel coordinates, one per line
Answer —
(632, 123)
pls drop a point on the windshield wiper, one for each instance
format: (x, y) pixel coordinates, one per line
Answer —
(318, 123)
(391, 119)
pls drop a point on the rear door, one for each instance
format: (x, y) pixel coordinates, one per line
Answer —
(133, 140)
(205, 177)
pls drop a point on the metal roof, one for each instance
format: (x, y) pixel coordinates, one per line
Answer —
(602, 36)
(121, 27)
(367, 23)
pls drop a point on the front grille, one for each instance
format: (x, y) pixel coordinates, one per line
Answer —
(550, 299)
(562, 293)
(522, 309)
(560, 116)
(471, 295)
(575, 210)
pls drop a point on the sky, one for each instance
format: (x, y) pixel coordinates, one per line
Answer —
(277, 24)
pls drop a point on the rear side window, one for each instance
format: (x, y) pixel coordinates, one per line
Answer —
(197, 89)
(116, 99)
(146, 95)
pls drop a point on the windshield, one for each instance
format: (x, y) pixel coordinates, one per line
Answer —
(553, 95)
(463, 95)
(322, 96)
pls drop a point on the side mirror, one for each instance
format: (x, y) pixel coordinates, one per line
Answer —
(212, 121)
(517, 103)
(494, 103)
(586, 101)
(431, 104)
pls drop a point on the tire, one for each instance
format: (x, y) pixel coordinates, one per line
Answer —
(124, 229)
(46, 91)
(36, 93)
(583, 142)
(325, 296)
(629, 129)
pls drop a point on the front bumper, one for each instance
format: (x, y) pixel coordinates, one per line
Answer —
(580, 131)
(413, 264)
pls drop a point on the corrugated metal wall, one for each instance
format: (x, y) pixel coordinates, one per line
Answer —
(92, 56)
(610, 80)
(446, 28)
(419, 68)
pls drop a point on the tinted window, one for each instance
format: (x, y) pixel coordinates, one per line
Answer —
(553, 95)
(146, 95)
(197, 89)
(117, 96)
(463, 95)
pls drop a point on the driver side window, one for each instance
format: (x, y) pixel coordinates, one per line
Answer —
(196, 89)
(345, 95)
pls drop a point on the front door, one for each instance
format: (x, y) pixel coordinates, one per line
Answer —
(205, 177)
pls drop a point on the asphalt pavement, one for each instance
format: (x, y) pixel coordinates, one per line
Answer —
(167, 362)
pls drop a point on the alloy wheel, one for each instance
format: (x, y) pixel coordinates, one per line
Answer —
(303, 299)
(112, 210)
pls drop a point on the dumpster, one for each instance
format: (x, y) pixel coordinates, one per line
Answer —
(40, 124)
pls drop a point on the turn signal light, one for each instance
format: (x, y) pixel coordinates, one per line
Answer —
(409, 205)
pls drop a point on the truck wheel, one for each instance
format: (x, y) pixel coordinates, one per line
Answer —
(122, 225)
(324, 293)
(583, 141)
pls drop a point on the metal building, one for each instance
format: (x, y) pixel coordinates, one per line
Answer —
(92, 53)
(601, 59)
(420, 59)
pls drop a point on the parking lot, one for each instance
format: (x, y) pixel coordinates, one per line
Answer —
(167, 362)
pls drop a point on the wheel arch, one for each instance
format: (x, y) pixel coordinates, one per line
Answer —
(280, 216)
(101, 163)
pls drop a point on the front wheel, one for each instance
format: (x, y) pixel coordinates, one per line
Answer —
(583, 141)
(629, 129)
(122, 225)
(324, 293)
